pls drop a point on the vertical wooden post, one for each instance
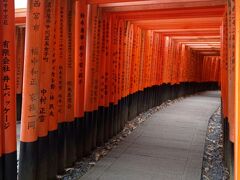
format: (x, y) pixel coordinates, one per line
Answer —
(101, 79)
(110, 76)
(8, 91)
(69, 86)
(30, 108)
(106, 54)
(141, 69)
(107, 77)
(97, 15)
(231, 67)
(237, 84)
(1, 97)
(118, 80)
(90, 74)
(61, 32)
(80, 58)
(121, 73)
(44, 88)
(19, 49)
(53, 93)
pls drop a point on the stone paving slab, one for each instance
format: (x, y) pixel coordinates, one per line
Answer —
(169, 146)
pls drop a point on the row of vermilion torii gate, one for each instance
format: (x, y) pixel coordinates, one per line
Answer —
(85, 73)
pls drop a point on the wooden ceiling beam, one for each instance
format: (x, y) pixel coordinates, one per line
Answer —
(173, 13)
(160, 5)
(178, 26)
(205, 48)
(206, 30)
(210, 41)
(20, 20)
(208, 53)
(201, 44)
(195, 37)
(199, 20)
(20, 12)
(114, 3)
(184, 24)
(183, 34)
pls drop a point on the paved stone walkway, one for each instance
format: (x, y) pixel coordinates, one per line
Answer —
(169, 146)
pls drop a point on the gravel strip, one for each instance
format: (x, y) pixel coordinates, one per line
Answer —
(213, 165)
(81, 168)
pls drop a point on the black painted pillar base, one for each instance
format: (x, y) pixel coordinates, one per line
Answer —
(122, 113)
(126, 105)
(52, 154)
(119, 115)
(228, 149)
(135, 105)
(19, 106)
(106, 123)
(79, 137)
(100, 126)
(94, 129)
(1, 168)
(88, 126)
(61, 140)
(28, 160)
(115, 119)
(42, 153)
(10, 166)
(111, 120)
(140, 103)
(130, 102)
(70, 129)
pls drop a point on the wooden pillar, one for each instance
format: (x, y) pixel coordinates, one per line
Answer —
(1, 98)
(106, 56)
(61, 33)
(101, 80)
(19, 49)
(30, 106)
(97, 16)
(53, 91)
(90, 74)
(80, 58)
(45, 68)
(69, 86)
(237, 106)
(231, 68)
(8, 91)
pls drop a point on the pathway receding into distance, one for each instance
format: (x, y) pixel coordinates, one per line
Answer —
(169, 146)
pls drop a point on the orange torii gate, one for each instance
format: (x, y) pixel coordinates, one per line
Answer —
(89, 69)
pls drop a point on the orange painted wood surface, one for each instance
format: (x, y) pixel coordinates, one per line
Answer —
(53, 93)
(19, 49)
(80, 56)
(1, 96)
(237, 106)
(69, 61)
(231, 68)
(32, 58)
(61, 31)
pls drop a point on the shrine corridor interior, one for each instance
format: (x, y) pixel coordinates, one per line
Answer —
(136, 84)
